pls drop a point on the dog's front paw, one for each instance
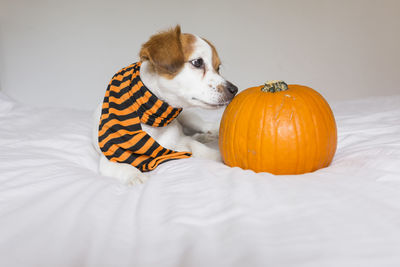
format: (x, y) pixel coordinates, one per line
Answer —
(125, 173)
(136, 179)
(200, 150)
(130, 176)
(215, 155)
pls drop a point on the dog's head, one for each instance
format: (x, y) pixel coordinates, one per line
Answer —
(186, 68)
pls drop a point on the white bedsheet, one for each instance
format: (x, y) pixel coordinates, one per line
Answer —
(55, 210)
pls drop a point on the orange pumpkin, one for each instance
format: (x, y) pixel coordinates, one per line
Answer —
(278, 128)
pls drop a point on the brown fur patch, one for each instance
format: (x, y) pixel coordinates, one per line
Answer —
(216, 62)
(164, 51)
(187, 41)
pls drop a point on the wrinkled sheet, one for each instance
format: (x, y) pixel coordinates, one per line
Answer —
(56, 210)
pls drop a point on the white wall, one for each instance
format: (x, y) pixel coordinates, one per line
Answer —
(63, 53)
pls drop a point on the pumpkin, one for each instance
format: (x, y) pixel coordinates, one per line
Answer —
(278, 128)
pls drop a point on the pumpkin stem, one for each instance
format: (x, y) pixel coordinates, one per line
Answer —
(274, 86)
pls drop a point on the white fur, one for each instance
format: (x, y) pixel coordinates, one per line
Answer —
(191, 87)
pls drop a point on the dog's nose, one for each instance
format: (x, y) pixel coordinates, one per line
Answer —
(231, 88)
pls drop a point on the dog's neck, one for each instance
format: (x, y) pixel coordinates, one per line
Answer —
(152, 81)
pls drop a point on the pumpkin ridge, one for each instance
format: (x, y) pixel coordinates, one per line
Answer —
(274, 143)
(252, 108)
(278, 121)
(297, 126)
(253, 103)
(318, 116)
(261, 140)
(295, 122)
(315, 111)
(330, 123)
(229, 131)
(328, 120)
(305, 128)
(222, 134)
(322, 114)
(234, 146)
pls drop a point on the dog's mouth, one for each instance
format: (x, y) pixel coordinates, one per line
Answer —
(213, 105)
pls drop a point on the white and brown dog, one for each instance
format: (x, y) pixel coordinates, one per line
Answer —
(183, 70)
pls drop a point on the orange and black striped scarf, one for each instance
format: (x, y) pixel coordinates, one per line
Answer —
(127, 103)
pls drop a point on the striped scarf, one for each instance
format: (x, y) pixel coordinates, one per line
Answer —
(127, 104)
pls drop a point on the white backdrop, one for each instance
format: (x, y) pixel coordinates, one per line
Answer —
(63, 53)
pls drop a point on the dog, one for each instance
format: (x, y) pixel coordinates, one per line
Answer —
(176, 71)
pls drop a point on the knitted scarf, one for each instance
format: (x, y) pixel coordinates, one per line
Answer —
(127, 104)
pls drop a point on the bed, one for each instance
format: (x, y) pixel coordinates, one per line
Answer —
(56, 210)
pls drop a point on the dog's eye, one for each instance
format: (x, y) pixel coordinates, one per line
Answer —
(197, 63)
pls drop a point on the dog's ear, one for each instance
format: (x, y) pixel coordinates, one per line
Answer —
(164, 51)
